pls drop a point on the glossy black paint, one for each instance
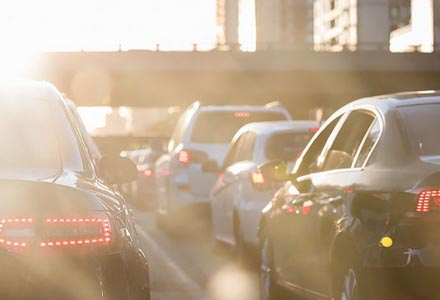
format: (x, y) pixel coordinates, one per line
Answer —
(328, 221)
(116, 271)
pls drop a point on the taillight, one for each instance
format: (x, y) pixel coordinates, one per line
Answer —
(314, 129)
(428, 200)
(258, 180)
(184, 157)
(76, 232)
(192, 157)
(147, 173)
(16, 233)
(19, 233)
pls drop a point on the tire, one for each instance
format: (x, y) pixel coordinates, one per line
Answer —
(269, 289)
(352, 284)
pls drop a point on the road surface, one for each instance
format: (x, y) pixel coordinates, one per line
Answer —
(185, 268)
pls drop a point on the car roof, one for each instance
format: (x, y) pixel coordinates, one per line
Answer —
(401, 99)
(227, 108)
(278, 126)
(31, 89)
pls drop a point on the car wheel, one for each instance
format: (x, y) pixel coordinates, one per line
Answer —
(350, 285)
(269, 290)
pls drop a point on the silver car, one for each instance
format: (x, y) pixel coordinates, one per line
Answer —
(202, 133)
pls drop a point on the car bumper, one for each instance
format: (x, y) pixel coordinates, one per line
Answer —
(63, 277)
(405, 283)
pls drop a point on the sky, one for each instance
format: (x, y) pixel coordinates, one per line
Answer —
(91, 25)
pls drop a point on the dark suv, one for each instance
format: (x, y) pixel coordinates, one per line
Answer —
(360, 216)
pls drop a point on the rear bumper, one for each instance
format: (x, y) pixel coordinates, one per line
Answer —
(405, 283)
(403, 257)
(63, 277)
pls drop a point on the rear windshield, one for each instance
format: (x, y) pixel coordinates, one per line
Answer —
(421, 123)
(287, 146)
(220, 127)
(28, 138)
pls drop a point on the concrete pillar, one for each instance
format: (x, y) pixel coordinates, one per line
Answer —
(231, 24)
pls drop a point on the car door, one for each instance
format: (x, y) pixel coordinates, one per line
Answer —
(240, 174)
(288, 218)
(339, 166)
(223, 189)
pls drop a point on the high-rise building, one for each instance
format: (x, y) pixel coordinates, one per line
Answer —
(284, 23)
(227, 22)
(351, 24)
(420, 26)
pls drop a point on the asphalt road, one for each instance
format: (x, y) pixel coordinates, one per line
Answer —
(184, 267)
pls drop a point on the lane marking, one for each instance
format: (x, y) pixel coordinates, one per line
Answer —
(182, 276)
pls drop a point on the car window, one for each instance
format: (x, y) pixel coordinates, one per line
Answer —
(421, 123)
(367, 145)
(287, 146)
(348, 141)
(245, 149)
(219, 127)
(177, 135)
(307, 164)
(230, 156)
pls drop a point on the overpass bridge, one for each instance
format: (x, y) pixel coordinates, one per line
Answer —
(300, 79)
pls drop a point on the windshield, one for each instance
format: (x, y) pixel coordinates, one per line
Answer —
(421, 122)
(220, 127)
(28, 135)
(35, 135)
(287, 146)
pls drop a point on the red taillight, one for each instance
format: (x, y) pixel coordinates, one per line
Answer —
(55, 232)
(16, 233)
(147, 173)
(428, 200)
(257, 178)
(184, 157)
(314, 129)
(188, 156)
(242, 114)
(68, 232)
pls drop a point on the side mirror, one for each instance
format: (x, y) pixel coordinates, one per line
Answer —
(210, 166)
(275, 171)
(117, 170)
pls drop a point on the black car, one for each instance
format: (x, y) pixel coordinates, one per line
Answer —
(360, 216)
(64, 232)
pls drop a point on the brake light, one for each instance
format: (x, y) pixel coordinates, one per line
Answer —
(18, 233)
(257, 178)
(314, 129)
(188, 156)
(184, 157)
(242, 114)
(428, 200)
(147, 173)
(66, 232)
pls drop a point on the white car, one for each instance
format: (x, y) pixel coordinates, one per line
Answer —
(241, 191)
(202, 133)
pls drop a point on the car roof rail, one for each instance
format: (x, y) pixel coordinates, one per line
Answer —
(274, 104)
(195, 105)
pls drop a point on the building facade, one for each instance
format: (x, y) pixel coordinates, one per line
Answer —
(284, 24)
(227, 22)
(351, 25)
(421, 30)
